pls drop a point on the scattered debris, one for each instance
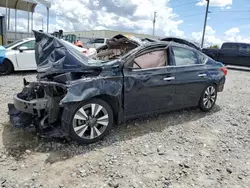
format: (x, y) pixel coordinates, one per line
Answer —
(28, 151)
(160, 150)
(229, 170)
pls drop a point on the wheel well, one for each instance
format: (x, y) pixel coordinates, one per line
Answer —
(114, 104)
(216, 85)
(10, 62)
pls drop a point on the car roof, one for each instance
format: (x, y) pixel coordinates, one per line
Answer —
(172, 43)
(182, 41)
(235, 43)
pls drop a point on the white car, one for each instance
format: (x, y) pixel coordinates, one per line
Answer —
(20, 55)
(97, 42)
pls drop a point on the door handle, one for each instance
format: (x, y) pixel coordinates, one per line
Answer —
(169, 78)
(202, 75)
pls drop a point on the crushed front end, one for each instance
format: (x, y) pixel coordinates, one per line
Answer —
(37, 107)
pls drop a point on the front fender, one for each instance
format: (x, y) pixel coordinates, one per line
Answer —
(84, 90)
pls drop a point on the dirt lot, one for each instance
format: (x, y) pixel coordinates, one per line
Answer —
(187, 148)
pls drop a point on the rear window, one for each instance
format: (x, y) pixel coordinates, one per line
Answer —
(184, 56)
(244, 48)
(230, 46)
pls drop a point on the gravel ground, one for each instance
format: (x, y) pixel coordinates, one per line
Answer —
(186, 148)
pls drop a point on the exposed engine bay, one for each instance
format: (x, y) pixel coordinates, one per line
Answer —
(116, 47)
(38, 105)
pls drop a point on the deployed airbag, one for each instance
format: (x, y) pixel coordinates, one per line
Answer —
(152, 59)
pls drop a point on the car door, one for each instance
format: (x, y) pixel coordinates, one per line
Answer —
(148, 88)
(25, 56)
(229, 54)
(244, 55)
(190, 76)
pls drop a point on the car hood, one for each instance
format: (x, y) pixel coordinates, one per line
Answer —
(55, 56)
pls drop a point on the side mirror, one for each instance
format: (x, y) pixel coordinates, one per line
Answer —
(22, 48)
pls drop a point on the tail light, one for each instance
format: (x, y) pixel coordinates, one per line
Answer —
(224, 70)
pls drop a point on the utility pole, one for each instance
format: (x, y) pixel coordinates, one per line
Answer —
(42, 23)
(154, 23)
(205, 24)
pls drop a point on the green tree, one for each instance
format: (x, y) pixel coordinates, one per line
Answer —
(214, 46)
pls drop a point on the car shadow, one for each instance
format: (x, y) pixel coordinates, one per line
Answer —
(238, 68)
(19, 143)
(21, 73)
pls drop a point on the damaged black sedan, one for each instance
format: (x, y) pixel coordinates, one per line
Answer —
(82, 98)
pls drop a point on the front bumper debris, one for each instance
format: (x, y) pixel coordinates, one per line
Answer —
(37, 109)
(19, 119)
(26, 121)
(30, 106)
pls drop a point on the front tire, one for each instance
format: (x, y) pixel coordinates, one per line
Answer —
(6, 67)
(90, 121)
(208, 98)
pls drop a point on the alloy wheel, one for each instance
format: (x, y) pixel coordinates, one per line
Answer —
(90, 121)
(209, 97)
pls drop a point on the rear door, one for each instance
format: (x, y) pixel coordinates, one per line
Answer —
(244, 55)
(149, 84)
(229, 54)
(26, 58)
(190, 75)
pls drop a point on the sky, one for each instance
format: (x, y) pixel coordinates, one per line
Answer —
(228, 20)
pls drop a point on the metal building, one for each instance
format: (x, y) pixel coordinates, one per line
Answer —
(105, 34)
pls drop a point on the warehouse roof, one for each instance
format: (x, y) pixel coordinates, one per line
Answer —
(23, 4)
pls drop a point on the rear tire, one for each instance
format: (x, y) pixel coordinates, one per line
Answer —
(6, 67)
(208, 98)
(90, 121)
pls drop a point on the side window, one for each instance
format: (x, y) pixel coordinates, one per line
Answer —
(184, 56)
(244, 48)
(202, 58)
(30, 45)
(99, 41)
(151, 60)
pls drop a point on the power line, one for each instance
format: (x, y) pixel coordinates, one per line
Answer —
(213, 12)
(173, 1)
(182, 5)
(191, 15)
(225, 20)
(230, 11)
